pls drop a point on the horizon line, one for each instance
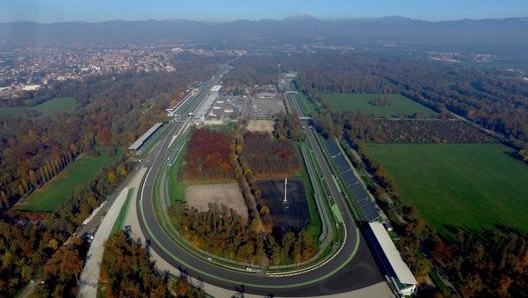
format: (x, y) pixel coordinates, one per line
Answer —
(297, 17)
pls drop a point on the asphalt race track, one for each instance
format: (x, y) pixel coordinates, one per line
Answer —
(353, 267)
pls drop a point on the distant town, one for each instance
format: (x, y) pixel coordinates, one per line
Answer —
(31, 67)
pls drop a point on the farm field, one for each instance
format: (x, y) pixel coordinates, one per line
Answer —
(49, 197)
(474, 186)
(55, 106)
(399, 105)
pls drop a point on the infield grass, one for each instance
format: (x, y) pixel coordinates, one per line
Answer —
(400, 106)
(473, 186)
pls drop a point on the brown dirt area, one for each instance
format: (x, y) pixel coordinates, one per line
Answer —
(199, 197)
(260, 126)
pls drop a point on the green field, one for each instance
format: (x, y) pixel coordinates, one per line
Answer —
(121, 217)
(49, 197)
(307, 106)
(400, 106)
(175, 186)
(51, 107)
(475, 186)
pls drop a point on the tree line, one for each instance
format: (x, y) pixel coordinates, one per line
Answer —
(358, 127)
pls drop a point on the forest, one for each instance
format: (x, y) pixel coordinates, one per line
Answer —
(488, 264)
(268, 157)
(223, 232)
(250, 71)
(127, 271)
(207, 156)
(357, 127)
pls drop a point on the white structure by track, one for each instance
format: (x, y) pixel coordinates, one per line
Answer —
(401, 278)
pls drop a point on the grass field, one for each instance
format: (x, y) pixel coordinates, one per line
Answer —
(50, 197)
(475, 186)
(49, 108)
(400, 105)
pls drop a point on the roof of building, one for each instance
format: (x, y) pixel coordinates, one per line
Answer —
(402, 271)
(216, 88)
(139, 142)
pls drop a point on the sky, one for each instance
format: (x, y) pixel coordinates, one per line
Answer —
(48, 11)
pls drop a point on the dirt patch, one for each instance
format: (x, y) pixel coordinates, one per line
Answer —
(260, 126)
(199, 197)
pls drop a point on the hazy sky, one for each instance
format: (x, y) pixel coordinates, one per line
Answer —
(219, 10)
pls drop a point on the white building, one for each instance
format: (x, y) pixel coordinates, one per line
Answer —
(400, 276)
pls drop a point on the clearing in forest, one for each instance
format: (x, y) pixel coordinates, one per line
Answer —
(260, 126)
(474, 186)
(49, 108)
(59, 189)
(377, 105)
(200, 196)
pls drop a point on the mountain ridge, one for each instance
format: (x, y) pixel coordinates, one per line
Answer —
(293, 29)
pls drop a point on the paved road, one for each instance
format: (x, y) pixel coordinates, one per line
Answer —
(90, 274)
(353, 255)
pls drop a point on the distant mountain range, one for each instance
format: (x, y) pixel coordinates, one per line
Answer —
(295, 29)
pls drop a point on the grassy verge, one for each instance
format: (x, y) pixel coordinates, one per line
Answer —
(399, 105)
(80, 172)
(474, 186)
(314, 229)
(51, 107)
(306, 105)
(100, 292)
(438, 280)
(120, 220)
(176, 187)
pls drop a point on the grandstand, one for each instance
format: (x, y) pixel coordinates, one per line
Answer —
(350, 181)
(397, 273)
(136, 146)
